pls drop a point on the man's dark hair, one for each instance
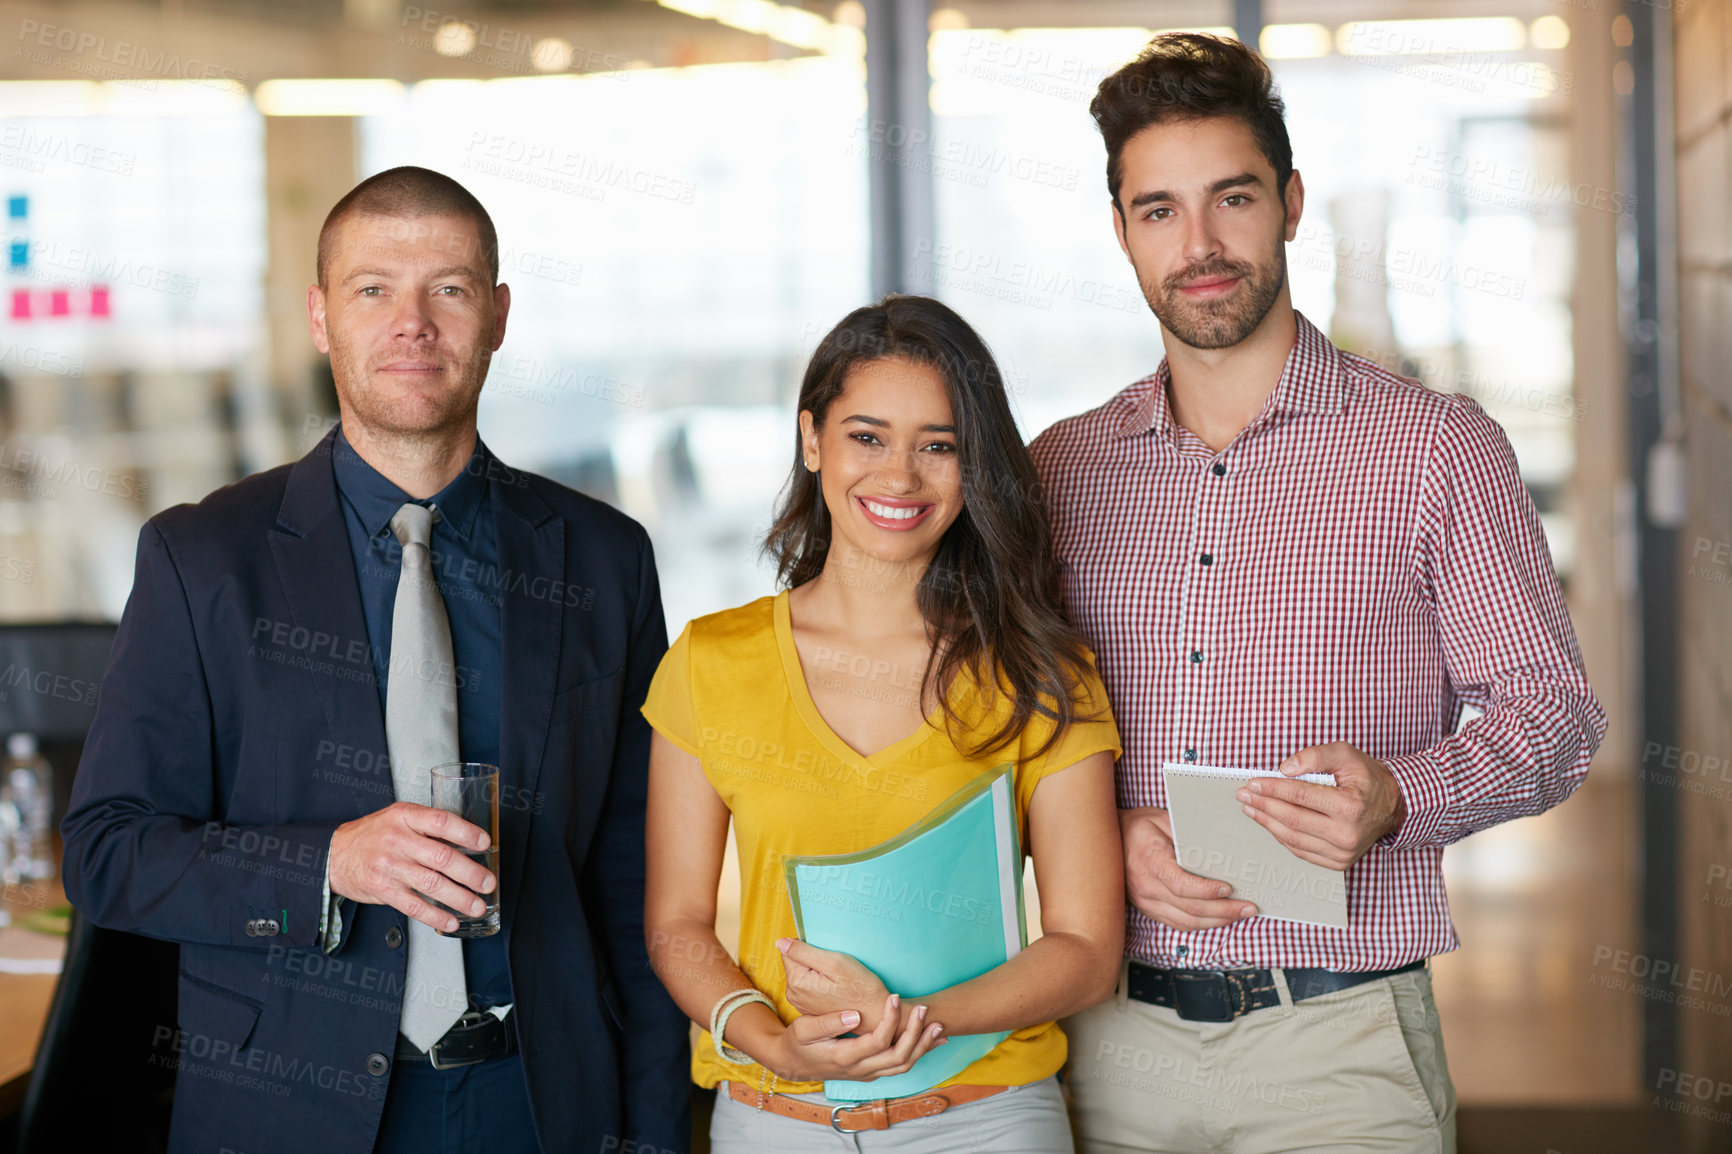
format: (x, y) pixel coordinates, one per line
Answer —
(1190, 76)
(411, 191)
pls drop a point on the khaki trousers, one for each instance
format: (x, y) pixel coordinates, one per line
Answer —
(1351, 1072)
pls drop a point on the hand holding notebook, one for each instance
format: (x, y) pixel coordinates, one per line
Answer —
(1335, 826)
(826, 982)
(935, 906)
(1214, 838)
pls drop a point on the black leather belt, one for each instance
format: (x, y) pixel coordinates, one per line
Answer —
(1223, 995)
(478, 1036)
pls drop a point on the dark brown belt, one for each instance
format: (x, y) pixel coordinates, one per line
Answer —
(1223, 995)
(853, 1118)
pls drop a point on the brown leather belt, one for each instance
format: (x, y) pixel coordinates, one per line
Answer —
(853, 1118)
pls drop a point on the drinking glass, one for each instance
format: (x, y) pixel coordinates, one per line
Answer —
(470, 790)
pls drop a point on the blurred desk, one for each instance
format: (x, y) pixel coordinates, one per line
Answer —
(24, 998)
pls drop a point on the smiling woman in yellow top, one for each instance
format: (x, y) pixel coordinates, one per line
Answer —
(918, 644)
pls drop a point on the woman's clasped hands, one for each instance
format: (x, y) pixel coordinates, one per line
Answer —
(836, 997)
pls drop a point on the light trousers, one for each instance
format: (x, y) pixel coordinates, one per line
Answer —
(1022, 1120)
(1357, 1071)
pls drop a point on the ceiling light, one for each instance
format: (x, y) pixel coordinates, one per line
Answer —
(328, 97)
(1430, 37)
(551, 54)
(454, 38)
(1295, 41)
(1550, 32)
(786, 23)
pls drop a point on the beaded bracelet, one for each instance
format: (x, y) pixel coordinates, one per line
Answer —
(719, 1022)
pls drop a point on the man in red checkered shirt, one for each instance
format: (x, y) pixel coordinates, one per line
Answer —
(1287, 558)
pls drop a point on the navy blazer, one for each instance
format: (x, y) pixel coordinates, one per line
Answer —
(238, 725)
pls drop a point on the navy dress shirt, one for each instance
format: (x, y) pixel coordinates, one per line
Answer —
(465, 559)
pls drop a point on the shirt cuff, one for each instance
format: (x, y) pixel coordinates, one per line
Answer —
(330, 914)
(1426, 796)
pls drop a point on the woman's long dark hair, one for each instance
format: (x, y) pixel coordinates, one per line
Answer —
(990, 595)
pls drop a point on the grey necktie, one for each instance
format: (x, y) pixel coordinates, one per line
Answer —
(421, 731)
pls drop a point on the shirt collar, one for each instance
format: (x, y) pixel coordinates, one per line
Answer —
(376, 498)
(1312, 381)
(1151, 414)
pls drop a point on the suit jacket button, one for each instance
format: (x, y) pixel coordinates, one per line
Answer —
(377, 1064)
(268, 928)
(393, 937)
(252, 928)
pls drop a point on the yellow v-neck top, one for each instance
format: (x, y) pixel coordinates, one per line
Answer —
(731, 692)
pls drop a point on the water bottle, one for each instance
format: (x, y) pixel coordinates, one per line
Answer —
(30, 783)
(10, 822)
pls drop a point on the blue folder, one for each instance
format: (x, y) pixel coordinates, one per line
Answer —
(936, 905)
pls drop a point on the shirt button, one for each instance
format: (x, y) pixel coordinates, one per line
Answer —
(1206, 559)
(1220, 470)
(377, 1064)
(1196, 657)
(393, 937)
(1190, 755)
(1182, 950)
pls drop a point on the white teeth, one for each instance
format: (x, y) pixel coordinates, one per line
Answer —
(894, 514)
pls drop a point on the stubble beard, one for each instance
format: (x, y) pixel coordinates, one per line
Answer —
(373, 407)
(1225, 321)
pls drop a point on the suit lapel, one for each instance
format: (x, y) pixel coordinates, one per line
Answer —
(311, 548)
(532, 617)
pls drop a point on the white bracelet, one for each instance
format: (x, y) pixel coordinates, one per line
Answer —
(721, 1004)
(719, 1023)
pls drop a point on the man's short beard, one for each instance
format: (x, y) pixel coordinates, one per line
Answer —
(376, 412)
(1226, 321)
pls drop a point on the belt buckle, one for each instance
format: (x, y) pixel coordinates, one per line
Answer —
(1219, 986)
(433, 1057)
(469, 1019)
(836, 1122)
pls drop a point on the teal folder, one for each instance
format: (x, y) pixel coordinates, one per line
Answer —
(936, 905)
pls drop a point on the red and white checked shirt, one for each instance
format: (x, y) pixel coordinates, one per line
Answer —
(1356, 566)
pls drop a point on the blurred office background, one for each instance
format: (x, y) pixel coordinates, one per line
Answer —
(1524, 201)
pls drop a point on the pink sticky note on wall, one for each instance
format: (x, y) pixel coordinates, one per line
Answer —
(99, 301)
(20, 304)
(59, 303)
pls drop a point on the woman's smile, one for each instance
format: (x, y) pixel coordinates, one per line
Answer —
(897, 514)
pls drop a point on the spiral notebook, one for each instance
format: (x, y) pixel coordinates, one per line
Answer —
(1215, 839)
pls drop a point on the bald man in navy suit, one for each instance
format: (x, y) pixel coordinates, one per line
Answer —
(236, 793)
